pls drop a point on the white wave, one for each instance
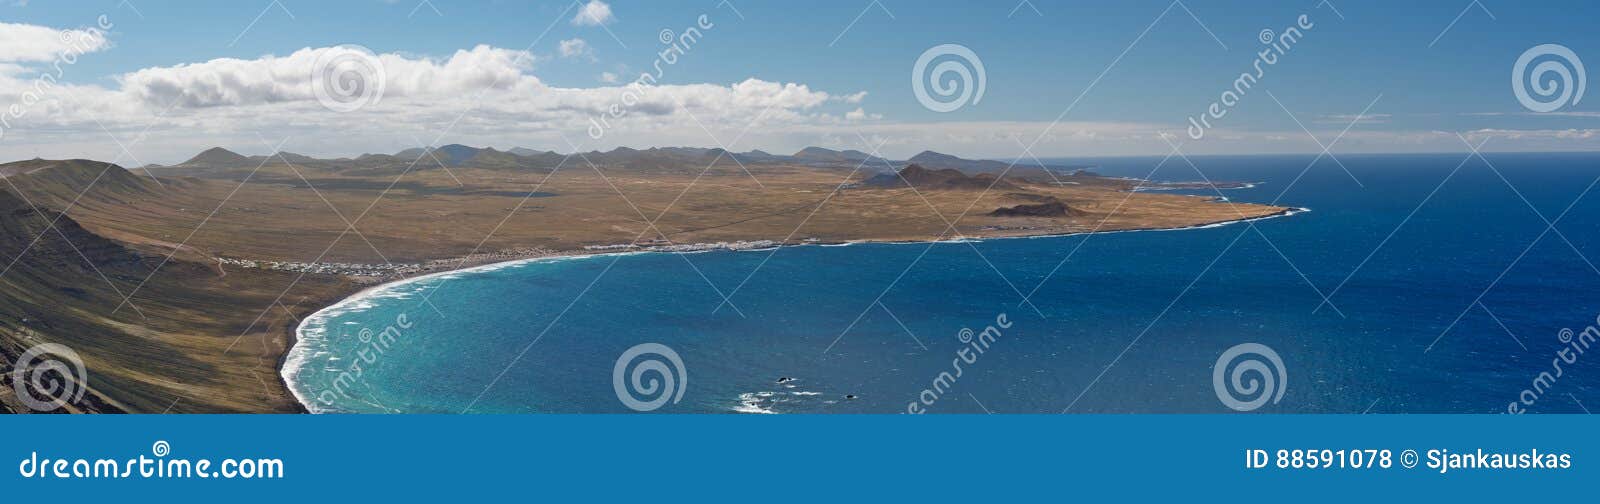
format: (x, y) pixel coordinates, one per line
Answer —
(1247, 185)
(312, 330)
(750, 402)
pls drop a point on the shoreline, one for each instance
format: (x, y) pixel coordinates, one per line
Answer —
(285, 366)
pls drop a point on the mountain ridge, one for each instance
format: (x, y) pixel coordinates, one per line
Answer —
(216, 157)
(683, 158)
(921, 178)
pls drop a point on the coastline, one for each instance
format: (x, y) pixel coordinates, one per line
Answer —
(288, 362)
(294, 355)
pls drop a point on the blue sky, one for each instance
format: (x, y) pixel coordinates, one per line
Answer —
(1140, 67)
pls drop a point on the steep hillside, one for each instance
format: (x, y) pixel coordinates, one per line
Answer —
(59, 183)
(189, 340)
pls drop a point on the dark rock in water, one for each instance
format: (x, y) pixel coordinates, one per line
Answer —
(1051, 209)
(850, 397)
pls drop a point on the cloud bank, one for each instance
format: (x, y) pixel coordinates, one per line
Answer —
(24, 43)
(481, 95)
(491, 96)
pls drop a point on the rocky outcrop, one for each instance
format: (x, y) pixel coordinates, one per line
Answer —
(1055, 208)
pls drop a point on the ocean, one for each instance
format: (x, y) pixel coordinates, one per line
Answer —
(1466, 303)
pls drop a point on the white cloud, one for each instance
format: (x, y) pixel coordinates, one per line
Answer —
(594, 13)
(484, 95)
(1511, 134)
(1354, 118)
(576, 47)
(280, 79)
(860, 114)
(32, 43)
(1561, 113)
(491, 96)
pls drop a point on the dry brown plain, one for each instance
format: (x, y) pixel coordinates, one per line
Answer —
(428, 215)
(208, 337)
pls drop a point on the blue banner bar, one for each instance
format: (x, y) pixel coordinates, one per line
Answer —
(801, 458)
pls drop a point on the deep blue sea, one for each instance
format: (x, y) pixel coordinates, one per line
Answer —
(1460, 310)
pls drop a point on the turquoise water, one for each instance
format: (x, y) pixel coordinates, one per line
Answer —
(1133, 322)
